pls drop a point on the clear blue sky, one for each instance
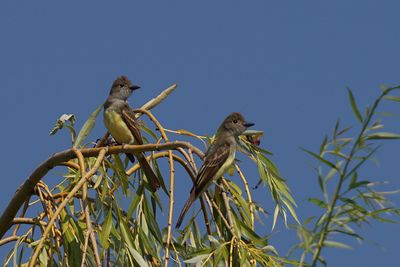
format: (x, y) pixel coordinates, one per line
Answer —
(284, 65)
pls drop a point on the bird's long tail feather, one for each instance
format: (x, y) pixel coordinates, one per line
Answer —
(148, 171)
(185, 209)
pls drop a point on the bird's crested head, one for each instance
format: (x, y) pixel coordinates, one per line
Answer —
(235, 124)
(122, 88)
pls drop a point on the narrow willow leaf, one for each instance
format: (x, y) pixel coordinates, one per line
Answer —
(119, 170)
(291, 209)
(354, 106)
(334, 171)
(130, 243)
(358, 184)
(66, 227)
(136, 198)
(220, 253)
(249, 233)
(353, 234)
(198, 257)
(335, 244)
(317, 202)
(323, 145)
(276, 213)
(106, 230)
(148, 131)
(87, 127)
(383, 135)
(393, 98)
(327, 162)
(270, 165)
(343, 131)
(138, 258)
(150, 219)
(321, 184)
(147, 243)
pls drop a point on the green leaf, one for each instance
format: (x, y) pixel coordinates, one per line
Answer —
(317, 202)
(335, 244)
(323, 145)
(358, 184)
(134, 202)
(383, 135)
(354, 106)
(276, 213)
(87, 127)
(126, 234)
(151, 221)
(106, 230)
(198, 258)
(393, 98)
(291, 210)
(327, 162)
(249, 233)
(118, 168)
(138, 258)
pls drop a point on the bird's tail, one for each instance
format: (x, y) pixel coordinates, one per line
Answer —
(148, 171)
(185, 209)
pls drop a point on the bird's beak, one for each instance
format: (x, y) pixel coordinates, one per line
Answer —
(248, 124)
(134, 87)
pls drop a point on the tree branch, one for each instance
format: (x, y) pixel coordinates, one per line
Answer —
(26, 189)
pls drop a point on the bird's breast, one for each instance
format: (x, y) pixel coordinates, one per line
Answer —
(117, 127)
(228, 163)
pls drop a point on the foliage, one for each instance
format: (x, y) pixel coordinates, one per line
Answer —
(354, 201)
(101, 213)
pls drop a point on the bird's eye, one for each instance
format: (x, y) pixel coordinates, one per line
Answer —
(235, 121)
(121, 85)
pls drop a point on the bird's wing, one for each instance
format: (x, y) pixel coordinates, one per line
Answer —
(130, 120)
(215, 159)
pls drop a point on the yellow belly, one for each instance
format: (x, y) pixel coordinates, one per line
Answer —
(228, 163)
(117, 127)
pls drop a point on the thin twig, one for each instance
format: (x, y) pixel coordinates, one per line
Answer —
(25, 208)
(228, 226)
(249, 198)
(70, 164)
(171, 187)
(89, 228)
(64, 203)
(29, 221)
(85, 247)
(8, 239)
(232, 245)
(227, 206)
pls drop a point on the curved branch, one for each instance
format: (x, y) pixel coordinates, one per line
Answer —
(26, 189)
(9, 239)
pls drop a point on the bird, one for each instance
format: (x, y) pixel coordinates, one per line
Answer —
(121, 123)
(218, 157)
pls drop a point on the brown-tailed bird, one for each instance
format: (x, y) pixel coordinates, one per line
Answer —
(218, 158)
(123, 126)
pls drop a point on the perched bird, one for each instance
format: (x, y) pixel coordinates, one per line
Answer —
(123, 126)
(218, 158)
